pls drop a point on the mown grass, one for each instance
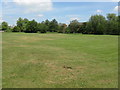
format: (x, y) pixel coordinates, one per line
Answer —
(38, 60)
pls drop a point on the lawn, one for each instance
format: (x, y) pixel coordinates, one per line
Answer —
(59, 60)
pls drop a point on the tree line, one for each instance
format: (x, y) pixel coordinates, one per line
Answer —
(97, 24)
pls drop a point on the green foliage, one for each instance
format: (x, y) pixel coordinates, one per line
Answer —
(42, 28)
(16, 29)
(83, 28)
(67, 30)
(31, 27)
(47, 22)
(5, 26)
(22, 23)
(62, 28)
(112, 23)
(99, 25)
(9, 29)
(25, 22)
(96, 25)
(53, 26)
(119, 25)
(0, 26)
(111, 16)
(74, 26)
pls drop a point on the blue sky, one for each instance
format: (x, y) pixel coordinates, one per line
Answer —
(64, 12)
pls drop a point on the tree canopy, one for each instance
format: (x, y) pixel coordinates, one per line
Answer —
(97, 24)
(5, 26)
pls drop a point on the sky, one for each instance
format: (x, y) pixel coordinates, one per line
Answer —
(63, 12)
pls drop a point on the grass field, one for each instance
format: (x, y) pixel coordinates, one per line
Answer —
(38, 60)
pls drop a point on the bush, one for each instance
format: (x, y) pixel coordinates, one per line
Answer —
(16, 29)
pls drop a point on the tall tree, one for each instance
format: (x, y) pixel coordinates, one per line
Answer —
(96, 25)
(20, 24)
(47, 22)
(0, 26)
(74, 26)
(42, 28)
(31, 27)
(112, 24)
(118, 25)
(25, 22)
(53, 26)
(83, 28)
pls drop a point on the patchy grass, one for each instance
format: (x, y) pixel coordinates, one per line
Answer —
(38, 60)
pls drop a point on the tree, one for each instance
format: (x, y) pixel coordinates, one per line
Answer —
(5, 26)
(20, 24)
(96, 25)
(42, 28)
(0, 26)
(74, 26)
(53, 26)
(112, 24)
(31, 27)
(47, 22)
(118, 25)
(25, 22)
(62, 28)
(16, 29)
(111, 16)
(10, 28)
(67, 30)
(83, 29)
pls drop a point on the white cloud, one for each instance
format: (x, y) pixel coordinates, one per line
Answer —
(117, 8)
(34, 5)
(99, 11)
(75, 18)
(40, 15)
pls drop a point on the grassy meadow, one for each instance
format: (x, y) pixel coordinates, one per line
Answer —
(55, 60)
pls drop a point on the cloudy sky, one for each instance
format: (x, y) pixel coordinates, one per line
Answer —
(62, 11)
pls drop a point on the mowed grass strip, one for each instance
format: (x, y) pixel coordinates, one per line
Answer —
(60, 61)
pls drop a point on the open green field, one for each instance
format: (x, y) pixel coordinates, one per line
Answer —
(38, 60)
